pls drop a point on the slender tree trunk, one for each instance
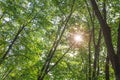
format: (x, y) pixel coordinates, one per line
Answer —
(114, 58)
(117, 68)
(98, 67)
(89, 44)
(94, 76)
(107, 76)
(89, 58)
(95, 72)
(95, 65)
(41, 77)
(96, 56)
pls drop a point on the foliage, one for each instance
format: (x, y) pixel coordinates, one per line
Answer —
(29, 29)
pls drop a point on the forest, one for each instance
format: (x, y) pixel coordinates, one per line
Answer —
(59, 39)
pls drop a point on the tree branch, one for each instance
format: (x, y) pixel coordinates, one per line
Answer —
(54, 47)
(10, 46)
(15, 38)
(118, 41)
(106, 32)
(60, 58)
(6, 74)
(92, 23)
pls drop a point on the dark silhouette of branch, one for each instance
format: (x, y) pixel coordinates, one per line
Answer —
(115, 59)
(118, 41)
(96, 45)
(54, 47)
(107, 76)
(6, 74)
(10, 46)
(106, 32)
(2, 16)
(60, 58)
(15, 38)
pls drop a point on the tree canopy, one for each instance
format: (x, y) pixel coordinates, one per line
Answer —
(59, 40)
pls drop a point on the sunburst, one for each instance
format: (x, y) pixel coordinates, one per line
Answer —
(78, 37)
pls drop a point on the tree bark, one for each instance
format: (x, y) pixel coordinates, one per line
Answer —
(115, 61)
(96, 56)
(46, 66)
(89, 58)
(107, 76)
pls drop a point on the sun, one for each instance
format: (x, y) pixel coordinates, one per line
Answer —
(78, 38)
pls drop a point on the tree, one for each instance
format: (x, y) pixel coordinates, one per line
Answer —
(58, 39)
(114, 57)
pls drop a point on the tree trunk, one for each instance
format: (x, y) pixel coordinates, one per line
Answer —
(96, 56)
(117, 68)
(89, 59)
(114, 58)
(94, 76)
(107, 76)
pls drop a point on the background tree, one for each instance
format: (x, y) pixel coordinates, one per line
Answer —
(113, 56)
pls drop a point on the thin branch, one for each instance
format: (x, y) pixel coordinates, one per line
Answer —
(54, 47)
(104, 10)
(15, 38)
(67, 20)
(5, 75)
(10, 46)
(107, 75)
(2, 16)
(118, 41)
(89, 56)
(60, 58)
(99, 38)
(92, 22)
